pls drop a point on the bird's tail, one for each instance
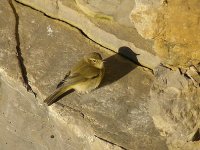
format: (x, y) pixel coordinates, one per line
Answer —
(54, 96)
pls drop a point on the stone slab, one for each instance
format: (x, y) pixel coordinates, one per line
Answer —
(117, 111)
(98, 32)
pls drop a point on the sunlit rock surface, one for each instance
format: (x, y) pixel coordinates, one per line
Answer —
(115, 116)
(174, 27)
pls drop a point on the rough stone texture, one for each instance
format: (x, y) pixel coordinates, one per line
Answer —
(175, 94)
(174, 106)
(193, 73)
(8, 59)
(50, 48)
(112, 10)
(174, 26)
(116, 112)
(132, 109)
(26, 125)
(144, 16)
(106, 33)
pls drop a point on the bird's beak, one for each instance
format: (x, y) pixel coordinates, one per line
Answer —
(103, 61)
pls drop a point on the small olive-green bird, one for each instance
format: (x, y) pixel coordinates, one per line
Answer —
(84, 77)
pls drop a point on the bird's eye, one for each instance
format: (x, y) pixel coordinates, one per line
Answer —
(94, 61)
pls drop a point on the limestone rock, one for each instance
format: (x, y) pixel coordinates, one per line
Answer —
(112, 10)
(27, 125)
(174, 103)
(144, 16)
(8, 56)
(117, 111)
(174, 27)
(174, 106)
(24, 123)
(193, 73)
(107, 33)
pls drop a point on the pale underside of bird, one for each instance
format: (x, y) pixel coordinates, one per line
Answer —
(83, 77)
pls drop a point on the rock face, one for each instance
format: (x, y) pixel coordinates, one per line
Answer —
(132, 109)
(8, 59)
(174, 27)
(111, 10)
(144, 16)
(27, 125)
(112, 117)
(107, 33)
(174, 102)
(174, 106)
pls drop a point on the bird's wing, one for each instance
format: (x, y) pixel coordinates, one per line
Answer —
(86, 72)
(80, 73)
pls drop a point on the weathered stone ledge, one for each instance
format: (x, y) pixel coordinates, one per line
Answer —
(49, 48)
(60, 10)
(26, 124)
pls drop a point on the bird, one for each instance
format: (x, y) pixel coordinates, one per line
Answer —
(84, 77)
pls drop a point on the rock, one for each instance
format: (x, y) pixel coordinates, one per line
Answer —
(174, 27)
(102, 31)
(132, 108)
(27, 125)
(112, 10)
(174, 103)
(194, 75)
(144, 16)
(24, 123)
(112, 117)
(174, 106)
(8, 57)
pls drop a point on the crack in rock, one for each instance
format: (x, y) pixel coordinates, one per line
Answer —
(18, 50)
(71, 108)
(71, 25)
(110, 142)
(83, 33)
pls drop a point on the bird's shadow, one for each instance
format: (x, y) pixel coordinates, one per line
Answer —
(117, 67)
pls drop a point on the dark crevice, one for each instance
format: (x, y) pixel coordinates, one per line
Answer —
(83, 33)
(110, 142)
(18, 51)
(196, 136)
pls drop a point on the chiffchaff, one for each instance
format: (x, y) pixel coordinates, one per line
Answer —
(84, 77)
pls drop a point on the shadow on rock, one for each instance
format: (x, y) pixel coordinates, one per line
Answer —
(117, 67)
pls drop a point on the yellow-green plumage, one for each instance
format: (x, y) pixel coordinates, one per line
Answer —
(83, 77)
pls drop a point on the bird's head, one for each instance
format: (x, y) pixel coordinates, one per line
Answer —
(95, 59)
